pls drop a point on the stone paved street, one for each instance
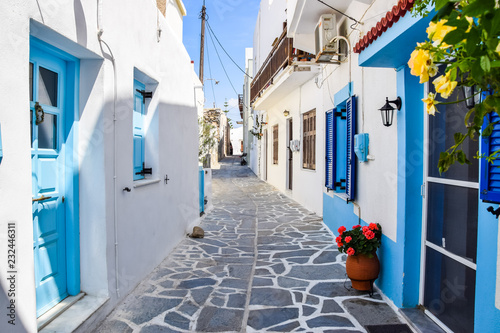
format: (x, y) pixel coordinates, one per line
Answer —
(266, 264)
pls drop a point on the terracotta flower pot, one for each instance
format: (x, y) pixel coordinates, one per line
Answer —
(362, 270)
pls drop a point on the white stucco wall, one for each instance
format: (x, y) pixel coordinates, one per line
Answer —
(150, 219)
(236, 140)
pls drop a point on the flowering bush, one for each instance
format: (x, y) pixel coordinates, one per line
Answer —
(360, 240)
(464, 35)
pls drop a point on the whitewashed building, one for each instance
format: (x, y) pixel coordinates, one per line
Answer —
(322, 72)
(99, 130)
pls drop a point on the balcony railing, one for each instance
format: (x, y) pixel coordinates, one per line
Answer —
(282, 55)
(279, 57)
(240, 104)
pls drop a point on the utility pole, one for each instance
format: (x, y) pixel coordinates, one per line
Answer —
(202, 42)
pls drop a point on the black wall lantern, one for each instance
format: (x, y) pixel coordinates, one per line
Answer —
(387, 111)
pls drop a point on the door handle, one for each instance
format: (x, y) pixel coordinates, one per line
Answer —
(39, 114)
(41, 198)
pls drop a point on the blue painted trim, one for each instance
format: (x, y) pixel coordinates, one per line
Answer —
(72, 177)
(486, 314)
(1, 149)
(343, 94)
(201, 183)
(72, 115)
(410, 179)
(393, 48)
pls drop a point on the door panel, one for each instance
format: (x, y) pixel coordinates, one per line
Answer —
(47, 75)
(451, 223)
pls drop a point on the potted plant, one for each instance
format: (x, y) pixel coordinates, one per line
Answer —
(360, 244)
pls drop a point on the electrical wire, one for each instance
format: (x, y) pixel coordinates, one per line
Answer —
(222, 64)
(338, 11)
(210, 71)
(234, 62)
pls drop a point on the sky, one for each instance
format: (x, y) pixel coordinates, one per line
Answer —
(233, 23)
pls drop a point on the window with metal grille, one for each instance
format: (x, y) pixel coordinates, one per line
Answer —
(309, 140)
(275, 144)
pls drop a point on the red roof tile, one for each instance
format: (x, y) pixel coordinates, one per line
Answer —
(391, 17)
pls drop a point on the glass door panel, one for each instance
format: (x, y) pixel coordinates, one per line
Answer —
(452, 219)
(450, 291)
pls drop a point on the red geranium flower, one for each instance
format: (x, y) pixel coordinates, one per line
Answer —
(373, 226)
(365, 229)
(341, 230)
(369, 234)
(350, 251)
(348, 239)
(338, 239)
(356, 226)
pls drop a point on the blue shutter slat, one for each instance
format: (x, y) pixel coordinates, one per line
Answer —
(350, 157)
(489, 184)
(329, 150)
(138, 130)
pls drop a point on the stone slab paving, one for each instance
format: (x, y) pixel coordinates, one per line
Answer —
(266, 264)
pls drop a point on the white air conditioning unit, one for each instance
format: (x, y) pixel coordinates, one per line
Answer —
(326, 30)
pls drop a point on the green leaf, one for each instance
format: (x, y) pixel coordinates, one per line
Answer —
(485, 63)
(461, 158)
(458, 137)
(478, 7)
(488, 130)
(454, 37)
(441, 3)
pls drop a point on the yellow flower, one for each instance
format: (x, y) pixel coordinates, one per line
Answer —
(430, 104)
(471, 23)
(420, 61)
(444, 85)
(437, 31)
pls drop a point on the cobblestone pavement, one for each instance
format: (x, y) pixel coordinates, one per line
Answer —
(266, 264)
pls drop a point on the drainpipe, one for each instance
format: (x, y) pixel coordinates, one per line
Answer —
(100, 32)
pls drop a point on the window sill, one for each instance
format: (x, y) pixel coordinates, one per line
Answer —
(145, 182)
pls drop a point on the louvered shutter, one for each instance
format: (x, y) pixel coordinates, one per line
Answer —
(490, 172)
(138, 132)
(350, 157)
(329, 150)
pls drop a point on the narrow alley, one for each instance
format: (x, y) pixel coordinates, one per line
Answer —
(266, 264)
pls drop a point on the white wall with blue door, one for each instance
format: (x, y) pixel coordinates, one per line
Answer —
(120, 227)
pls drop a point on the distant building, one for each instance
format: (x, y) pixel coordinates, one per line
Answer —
(237, 140)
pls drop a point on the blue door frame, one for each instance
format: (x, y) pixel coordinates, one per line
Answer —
(201, 178)
(54, 77)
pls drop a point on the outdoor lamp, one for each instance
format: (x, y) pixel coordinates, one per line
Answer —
(472, 96)
(387, 111)
(286, 113)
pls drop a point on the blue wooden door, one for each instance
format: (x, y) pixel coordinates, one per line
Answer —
(47, 76)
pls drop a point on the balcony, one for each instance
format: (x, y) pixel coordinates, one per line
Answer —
(284, 69)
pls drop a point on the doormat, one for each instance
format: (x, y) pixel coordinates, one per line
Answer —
(398, 328)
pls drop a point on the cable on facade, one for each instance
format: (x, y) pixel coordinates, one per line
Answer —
(213, 33)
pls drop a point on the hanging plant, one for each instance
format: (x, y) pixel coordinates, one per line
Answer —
(257, 128)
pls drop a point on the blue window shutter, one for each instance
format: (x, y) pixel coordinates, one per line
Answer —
(138, 124)
(350, 156)
(329, 170)
(489, 185)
